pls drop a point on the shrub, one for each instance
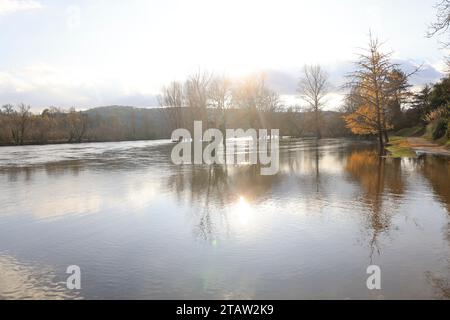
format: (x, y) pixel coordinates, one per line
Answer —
(439, 113)
(440, 130)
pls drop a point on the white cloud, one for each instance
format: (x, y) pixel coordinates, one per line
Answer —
(11, 6)
(43, 85)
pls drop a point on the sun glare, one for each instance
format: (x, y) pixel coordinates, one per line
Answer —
(244, 213)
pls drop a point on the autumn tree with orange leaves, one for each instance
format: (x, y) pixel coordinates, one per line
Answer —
(372, 88)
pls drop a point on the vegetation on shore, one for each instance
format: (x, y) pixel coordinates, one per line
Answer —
(399, 147)
(122, 123)
(433, 133)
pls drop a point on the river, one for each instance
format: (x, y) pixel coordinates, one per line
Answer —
(140, 227)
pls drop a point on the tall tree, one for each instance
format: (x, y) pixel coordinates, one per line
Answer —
(375, 86)
(421, 104)
(440, 95)
(196, 90)
(77, 125)
(19, 121)
(220, 92)
(6, 114)
(313, 88)
(220, 97)
(172, 100)
(254, 96)
(398, 95)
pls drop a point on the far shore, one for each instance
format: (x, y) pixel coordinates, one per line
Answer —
(67, 142)
(356, 138)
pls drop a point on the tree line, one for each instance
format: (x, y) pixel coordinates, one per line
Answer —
(20, 126)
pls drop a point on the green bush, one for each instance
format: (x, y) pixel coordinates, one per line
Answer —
(440, 129)
(448, 129)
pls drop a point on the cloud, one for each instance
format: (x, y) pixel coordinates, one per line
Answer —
(66, 86)
(285, 82)
(12, 6)
(43, 85)
(427, 73)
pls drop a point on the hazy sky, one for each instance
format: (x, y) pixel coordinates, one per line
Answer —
(101, 52)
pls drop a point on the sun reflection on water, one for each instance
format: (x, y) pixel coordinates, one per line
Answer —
(244, 213)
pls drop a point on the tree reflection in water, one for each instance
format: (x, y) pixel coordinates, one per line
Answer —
(435, 169)
(213, 188)
(378, 178)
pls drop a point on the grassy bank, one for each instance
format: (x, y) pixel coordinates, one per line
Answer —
(435, 138)
(438, 132)
(416, 131)
(399, 147)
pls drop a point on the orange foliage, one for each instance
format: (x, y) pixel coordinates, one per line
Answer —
(363, 121)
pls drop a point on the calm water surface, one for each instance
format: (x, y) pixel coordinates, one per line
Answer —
(142, 228)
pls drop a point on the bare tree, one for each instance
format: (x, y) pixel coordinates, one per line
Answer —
(19, 121)
(6, 114)
(8, 109)
(220, 92)
(77, 125)
(172, 100)
(247, 93)
(271, 104)
(220, 98)
(196, 91)
(442, 23)
(172, 95)
(253, 95)
(313, 88)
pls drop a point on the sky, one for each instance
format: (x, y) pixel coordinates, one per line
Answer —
(91, 53)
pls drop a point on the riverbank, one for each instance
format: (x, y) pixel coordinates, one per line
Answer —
(29, 143)
(411, 147)
(422, 145)
(399, 147)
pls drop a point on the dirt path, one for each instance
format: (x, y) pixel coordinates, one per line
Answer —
(422, 145)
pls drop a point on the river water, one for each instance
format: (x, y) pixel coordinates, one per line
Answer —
(140, 227)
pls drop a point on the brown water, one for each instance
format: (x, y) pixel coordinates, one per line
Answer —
(140, 227)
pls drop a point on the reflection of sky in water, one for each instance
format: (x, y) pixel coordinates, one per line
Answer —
(21, 281)
(140, 227)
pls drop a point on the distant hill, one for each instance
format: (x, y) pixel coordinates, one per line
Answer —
(128, 122)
